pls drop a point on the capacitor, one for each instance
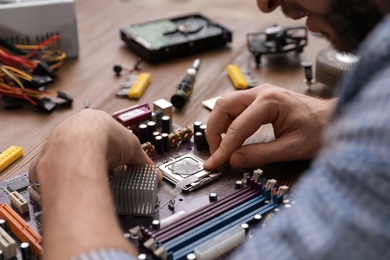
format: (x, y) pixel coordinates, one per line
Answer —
(1, 255)
(184, 89)
(308, 68)
(158, 140)
(156, 224)
(165, 138)
(197, 124)
(213, 197)
(3, 224)
(245, 227)
(202, 129)
(25, 250)
(191, 256)
(154, 135)
(239, 184)
(143, 133)
(151, 129)
(257, 218)
(199, 141)
(142, 257)
(127, 235)
(165, 124)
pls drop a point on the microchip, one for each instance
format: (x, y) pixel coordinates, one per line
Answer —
(187, 166)
(187, 170)
(18, 185)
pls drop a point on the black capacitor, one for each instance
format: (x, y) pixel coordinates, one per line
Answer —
(199, 141)
(191, 256)
(142, 257)
(245, 227)
(158, 140)
(1, 255)
(25, 250)
(165, 124)
(308, 68)
(143, 133)
(3, 224)
(239, 184)
(165, 142)
(197, 124)
(154, 135)
(151, 129)
(213, 197)
(184, 89)
(202, 129)
(257, 218)
(156, 224)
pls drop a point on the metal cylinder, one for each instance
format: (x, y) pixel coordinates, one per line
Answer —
(166, 124)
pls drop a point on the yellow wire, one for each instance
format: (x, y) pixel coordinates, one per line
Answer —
(20, 73)
(12, 77)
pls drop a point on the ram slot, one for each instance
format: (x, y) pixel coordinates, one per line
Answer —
(7, 244)
(212, 225)
(18, 202)
(21, 229)
(221, 244)
(34, 193)
(187, 249)
(204, 214)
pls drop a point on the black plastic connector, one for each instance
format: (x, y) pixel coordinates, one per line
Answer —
(43, 69)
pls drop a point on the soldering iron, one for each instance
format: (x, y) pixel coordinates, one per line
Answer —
(184, 89)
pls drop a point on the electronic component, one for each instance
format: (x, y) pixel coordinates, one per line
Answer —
(165, 39)
(134, 86)
(133, 116)
(162, 108)
(184, 89)
(18, 202)
(330, 65)
(35, 193)
(34, 26)
(18, 185)
(221, 244)
(10, 155)
(21, 229)
(277, 39)
(187, 166)
(134, 188)
(241, 79)
(7, 244)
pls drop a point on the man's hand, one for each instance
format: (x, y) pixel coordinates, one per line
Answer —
(79, 215)
(297, 120)
(117, 144)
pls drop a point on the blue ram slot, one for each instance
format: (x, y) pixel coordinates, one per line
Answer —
(189, 248)
(213, 224)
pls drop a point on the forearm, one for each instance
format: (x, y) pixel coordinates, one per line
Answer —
(78, 213)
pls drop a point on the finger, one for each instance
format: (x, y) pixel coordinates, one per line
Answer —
(247, 123)
(285, 148)
(224, 113)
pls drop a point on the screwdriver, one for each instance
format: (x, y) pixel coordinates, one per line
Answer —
(184, 89)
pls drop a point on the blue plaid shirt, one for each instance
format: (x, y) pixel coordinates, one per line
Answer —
(342, 208)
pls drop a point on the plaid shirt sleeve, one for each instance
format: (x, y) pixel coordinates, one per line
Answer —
(342, 204)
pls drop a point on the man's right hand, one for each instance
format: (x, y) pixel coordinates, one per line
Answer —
(297, 120)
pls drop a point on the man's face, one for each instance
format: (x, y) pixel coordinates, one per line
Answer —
(344, 22)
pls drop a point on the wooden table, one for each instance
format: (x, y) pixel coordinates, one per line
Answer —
(91, 75)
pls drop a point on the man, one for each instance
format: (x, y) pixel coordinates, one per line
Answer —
(341, 208)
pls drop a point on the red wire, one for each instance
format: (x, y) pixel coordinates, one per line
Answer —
(46, 42)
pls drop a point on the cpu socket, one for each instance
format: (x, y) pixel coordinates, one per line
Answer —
(185, 167)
